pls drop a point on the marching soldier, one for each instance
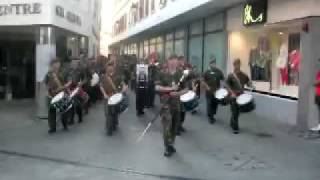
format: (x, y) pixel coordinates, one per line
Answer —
(152, 73)
(167, 85)
(78, 80)
(111, 83)
(56, 82)
(236, 82)
(211, 80)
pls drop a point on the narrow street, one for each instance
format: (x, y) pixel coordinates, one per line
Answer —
(264, 150)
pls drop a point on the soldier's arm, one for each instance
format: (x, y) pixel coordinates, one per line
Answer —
(103, 92)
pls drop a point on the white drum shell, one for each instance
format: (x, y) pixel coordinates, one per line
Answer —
(244, 99)
(189, 96)
(115, 99)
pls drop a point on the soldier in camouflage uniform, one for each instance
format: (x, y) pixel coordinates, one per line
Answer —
(167, 85)
(56, 81)
(110, 84)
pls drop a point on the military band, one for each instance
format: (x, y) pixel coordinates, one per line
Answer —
(70, 94)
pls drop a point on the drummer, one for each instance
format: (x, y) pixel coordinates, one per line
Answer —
(212, 81)
(236, 82)
(78, 80)
(56, 82)
(167, 86)
(110, 84)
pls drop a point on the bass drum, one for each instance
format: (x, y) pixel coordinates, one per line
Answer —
(61, 102)
(246, 103)
(222, 96)
(189, 101)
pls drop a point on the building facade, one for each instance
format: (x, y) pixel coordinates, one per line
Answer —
(34, 31)
(277, 42)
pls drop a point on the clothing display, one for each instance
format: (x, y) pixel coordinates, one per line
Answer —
(294, 63)
(282, 64)
(259, 62)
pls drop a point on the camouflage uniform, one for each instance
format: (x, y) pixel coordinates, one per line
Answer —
(171, 108)
(111, 113)
(53, 89)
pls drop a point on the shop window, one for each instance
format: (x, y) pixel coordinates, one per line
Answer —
(195, 52)
(271, 57)
(146, 49)
(160, 51)
(214, 47)
(179, 47)
(169, 49)
(141, 49)
(214, 23)
(153, 43)
(196, 28)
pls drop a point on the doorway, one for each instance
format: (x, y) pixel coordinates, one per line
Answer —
(17, 69)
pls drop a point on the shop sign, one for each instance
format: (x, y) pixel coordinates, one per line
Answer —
(69, 16)
(255, 12)
(20, 9)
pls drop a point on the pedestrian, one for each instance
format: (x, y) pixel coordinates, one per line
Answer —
(236, 82)
(56, 82)
(111, 83)
(212, 81)
(168, 87)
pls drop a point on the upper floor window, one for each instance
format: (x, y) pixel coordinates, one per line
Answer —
(153, 6)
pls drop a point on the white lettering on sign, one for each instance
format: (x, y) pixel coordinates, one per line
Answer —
(70, 16)
(20, 9)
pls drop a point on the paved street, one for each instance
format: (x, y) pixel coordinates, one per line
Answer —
(264, 150)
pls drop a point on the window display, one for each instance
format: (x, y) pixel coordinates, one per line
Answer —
(271, 56)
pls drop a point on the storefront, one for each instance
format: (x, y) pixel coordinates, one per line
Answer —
(273, 46)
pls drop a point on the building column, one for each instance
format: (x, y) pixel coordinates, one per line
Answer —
(45, 51)
(310, 45)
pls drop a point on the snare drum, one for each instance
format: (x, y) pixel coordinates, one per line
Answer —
(118, 103)
(189, 101)
(61, 102)
(222, 96)
(78, 94)
(246, 103)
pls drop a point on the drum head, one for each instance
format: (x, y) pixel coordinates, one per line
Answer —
(189, 96)
(244, 99)
(115, 99)
(57, 98)
(75, 92)
(221, 94)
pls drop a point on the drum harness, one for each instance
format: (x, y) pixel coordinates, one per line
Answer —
(182, 79)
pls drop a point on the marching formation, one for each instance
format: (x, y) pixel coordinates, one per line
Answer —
(73, 87)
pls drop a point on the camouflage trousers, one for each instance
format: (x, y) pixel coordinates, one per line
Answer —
(170, 119)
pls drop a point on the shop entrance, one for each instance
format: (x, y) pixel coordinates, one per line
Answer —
(17, 69)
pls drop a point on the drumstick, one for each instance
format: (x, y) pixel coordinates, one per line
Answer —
(148, 127)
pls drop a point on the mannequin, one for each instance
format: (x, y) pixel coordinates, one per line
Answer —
(282, 64)
(294, 62)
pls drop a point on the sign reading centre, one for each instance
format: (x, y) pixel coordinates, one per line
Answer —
(20, 9)
(255, 12)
